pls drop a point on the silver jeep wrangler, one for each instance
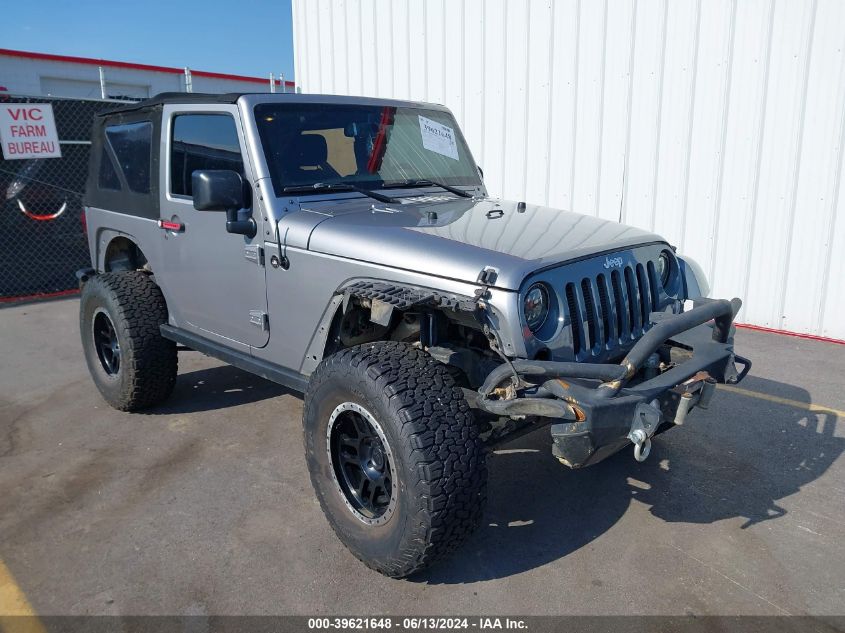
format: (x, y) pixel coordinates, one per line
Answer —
(347, 249)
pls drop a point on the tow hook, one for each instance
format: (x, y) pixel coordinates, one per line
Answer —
(647, 418)
(642, 444)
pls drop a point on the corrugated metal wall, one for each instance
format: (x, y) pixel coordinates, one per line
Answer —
(716, 123)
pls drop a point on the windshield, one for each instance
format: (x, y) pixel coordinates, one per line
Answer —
(361, 145)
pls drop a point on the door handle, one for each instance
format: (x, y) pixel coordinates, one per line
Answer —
(167, 225)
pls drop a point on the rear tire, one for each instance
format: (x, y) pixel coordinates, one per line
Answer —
(392, 413)
(131, 363)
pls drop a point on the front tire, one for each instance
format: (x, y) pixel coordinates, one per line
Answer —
(133, 366)
(394, 456)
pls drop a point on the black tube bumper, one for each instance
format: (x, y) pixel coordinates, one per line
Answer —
(601, 408)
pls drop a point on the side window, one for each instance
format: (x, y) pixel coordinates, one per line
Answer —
(202, 141)
(131, 144)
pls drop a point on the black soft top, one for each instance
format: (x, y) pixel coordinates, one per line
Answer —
(176, 97)
(121, 198)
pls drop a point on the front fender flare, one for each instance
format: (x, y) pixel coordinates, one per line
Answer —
(390, 296)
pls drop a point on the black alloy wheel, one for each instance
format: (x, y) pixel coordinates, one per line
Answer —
(106, 343)
(362, 463)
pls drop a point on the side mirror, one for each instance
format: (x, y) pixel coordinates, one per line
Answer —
(480, 172)
(222, 190)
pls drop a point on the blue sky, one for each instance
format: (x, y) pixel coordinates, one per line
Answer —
(244, 37)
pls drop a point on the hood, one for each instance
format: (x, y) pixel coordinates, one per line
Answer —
(459, 237)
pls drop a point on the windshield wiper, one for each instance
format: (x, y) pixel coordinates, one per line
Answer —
(431, 183)
(339, 186)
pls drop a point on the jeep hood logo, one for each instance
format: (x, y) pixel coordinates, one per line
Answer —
(613, 262)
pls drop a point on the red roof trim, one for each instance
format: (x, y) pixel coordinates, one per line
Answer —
(133, 66)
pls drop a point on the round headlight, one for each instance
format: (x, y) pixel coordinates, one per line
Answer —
(536, 306)
(663, 267)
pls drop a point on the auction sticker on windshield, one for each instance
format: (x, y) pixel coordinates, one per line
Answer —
(439, 138)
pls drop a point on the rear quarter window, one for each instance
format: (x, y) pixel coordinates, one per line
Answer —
(130, 146)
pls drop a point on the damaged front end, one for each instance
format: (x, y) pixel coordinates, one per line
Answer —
(599, 408)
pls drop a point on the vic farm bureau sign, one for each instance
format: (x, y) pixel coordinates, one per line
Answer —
(28, 130)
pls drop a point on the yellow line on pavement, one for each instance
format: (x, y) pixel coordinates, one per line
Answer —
(12, 599)
(807, 406)
(16, 614)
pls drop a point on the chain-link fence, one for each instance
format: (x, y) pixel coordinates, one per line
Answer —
(42, 233)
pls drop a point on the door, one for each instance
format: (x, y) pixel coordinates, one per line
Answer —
(214, 279)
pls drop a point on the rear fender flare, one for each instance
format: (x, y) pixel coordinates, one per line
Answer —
(106, 240)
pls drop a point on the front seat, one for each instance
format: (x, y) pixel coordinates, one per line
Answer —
(308, 153)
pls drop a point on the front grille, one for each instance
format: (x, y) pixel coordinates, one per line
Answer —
(609, 311)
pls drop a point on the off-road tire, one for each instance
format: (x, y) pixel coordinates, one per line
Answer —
(148, 362)
(441, 475)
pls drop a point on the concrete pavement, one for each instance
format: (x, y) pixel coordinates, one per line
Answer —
(203, 506)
